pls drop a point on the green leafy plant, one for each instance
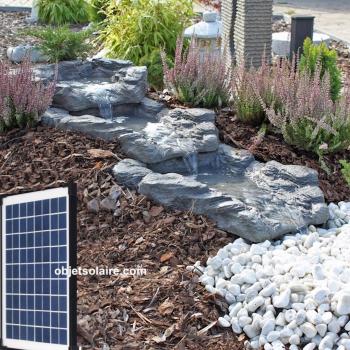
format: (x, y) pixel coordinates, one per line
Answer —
(345, 170)
(59, 12)
(61, 43)
(320, 54)
(97, 10)
(198, 78)
(138, 29)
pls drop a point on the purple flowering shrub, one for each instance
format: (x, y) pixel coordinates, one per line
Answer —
(22, 99)
(198, 77)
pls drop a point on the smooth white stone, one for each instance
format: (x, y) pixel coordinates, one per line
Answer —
(327, 317)
(321, 329)
(334, 326)
(308, 329)
(326, 343)
(207, 280)
(298, 306)
(282, 300)
(268, 290)
(343, 320)
(281, 320)
(286, 332)
(230, 298)
(310, 346)
(236, 268)
(290, 315)
(293, 347)
(347, 327)
(268, 347)
(251, 331)
(242, 312)
(255, 303)
(221, 283)
(262, 340)
(223, 322)
(310, 304)
(273, 336)
(294, 339)
(345, 343)
(244, 320)
(343, 306)
(313, 317)
(320, 295)
(251, 295)
(318, 273)
(323, 308)
(268, 326)
(234, 289)
(236, 328)
(249, 276)
(254, 344)
(301, 316)
(235, 308)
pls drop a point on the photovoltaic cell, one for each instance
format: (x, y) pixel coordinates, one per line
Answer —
(35, 243)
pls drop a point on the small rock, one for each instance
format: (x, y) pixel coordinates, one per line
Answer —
(94, 205)
(343, 306)
(223, 322)
(108, 204)
(282, 300)
(308, 329)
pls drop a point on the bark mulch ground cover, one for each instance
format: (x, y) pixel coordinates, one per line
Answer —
(272, 147)
(165, 308)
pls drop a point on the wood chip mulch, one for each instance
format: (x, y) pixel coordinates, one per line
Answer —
(165, 308)
(272, 147)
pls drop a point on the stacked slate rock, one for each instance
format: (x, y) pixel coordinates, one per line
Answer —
(228, 13)
(253, 31)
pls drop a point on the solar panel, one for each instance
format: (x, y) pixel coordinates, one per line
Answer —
(38, 237)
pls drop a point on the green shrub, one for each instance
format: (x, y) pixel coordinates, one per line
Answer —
(320, 54)
(62, 44)
(59, 12)
(98, 9)
(345, 170)
(198, 78)
(138, 29)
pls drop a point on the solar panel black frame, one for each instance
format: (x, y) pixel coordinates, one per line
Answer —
(71, 194)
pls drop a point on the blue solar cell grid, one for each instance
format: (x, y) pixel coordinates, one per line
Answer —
(35, 246)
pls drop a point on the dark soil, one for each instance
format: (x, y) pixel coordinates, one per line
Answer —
(124, 312)
(272, 147)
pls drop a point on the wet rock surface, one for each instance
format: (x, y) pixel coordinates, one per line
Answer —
(82, 85)
(176, 159)
(250, 199)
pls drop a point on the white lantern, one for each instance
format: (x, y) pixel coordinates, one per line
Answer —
(207, 32)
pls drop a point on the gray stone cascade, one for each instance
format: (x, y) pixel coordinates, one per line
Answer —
(253, 200)
(84, 85)
(176, 159)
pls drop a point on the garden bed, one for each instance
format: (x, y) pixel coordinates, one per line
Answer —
(124, 312)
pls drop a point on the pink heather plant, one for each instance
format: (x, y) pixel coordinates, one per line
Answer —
(248, 86)
(303, 110)
(198, 78)
(22, 99)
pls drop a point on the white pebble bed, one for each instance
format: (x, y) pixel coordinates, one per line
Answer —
(293, 292)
